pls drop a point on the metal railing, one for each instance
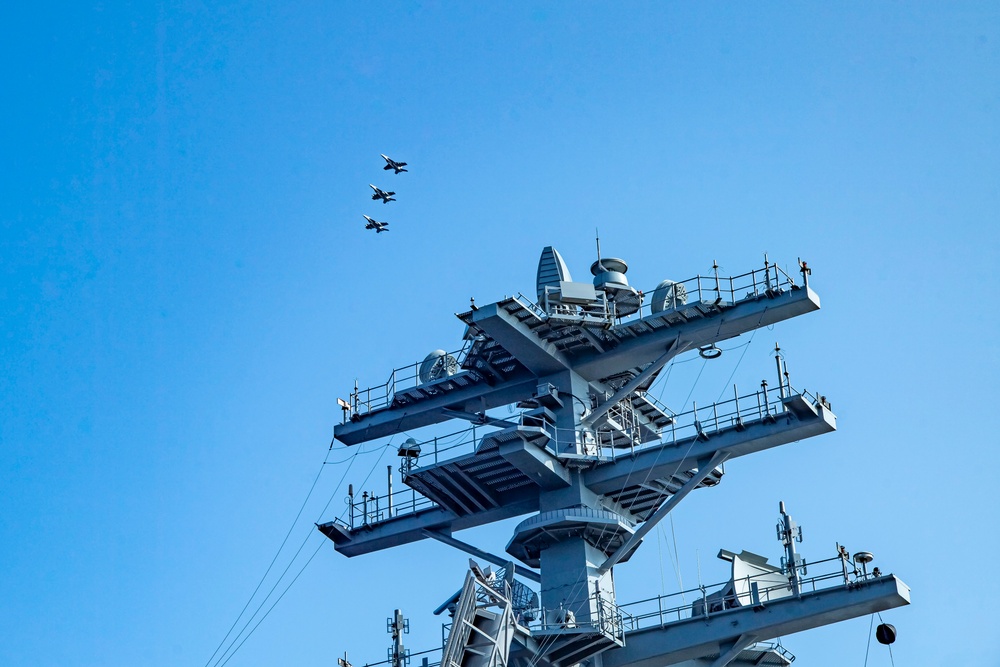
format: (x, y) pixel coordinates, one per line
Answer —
(765, 404)
(406, 377)
(773, 646)
(367, 508)
(762, 406)
(760, 590)
(608, 619)
(530, 305)
(449, 446)
(739, 411)
(770, 280)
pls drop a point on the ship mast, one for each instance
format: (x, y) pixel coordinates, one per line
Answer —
(592, 459)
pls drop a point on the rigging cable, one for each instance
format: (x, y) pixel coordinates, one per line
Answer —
(677, 554)
(869, 646)
(230, 650)
(275, 559)
(693, 441)
(275, 604)
(739, 361)
(889, 645)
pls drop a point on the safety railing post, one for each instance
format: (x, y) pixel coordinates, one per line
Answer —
(389, 494)
(350, 503)
(842, 552)
(777, 362)
(718, 293)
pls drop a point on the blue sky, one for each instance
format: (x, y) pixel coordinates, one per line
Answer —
(186, 288)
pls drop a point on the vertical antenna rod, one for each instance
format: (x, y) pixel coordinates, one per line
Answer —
(597, 234)
(789, 533)
(397, 626)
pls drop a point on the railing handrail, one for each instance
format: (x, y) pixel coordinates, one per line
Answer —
(750, 408)
(849, 577)
(708, 289)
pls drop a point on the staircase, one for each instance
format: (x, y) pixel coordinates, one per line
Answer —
(483, 627)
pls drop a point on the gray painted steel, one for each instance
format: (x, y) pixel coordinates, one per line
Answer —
(594, 458)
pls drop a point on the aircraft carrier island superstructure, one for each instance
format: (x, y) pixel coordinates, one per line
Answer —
(594, 462)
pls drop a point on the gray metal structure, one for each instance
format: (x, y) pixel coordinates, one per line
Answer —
(596, 462)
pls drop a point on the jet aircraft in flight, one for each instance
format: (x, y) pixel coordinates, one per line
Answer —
(392, 164)
(386, 197)
(379, 227)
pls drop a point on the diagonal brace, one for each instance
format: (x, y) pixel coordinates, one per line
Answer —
(479, 553)
(731, 650)
(672, 351)
(703, 471)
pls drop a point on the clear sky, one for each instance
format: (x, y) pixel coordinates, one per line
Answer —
(186, 287)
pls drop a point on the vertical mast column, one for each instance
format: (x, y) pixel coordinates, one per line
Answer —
(571, 521)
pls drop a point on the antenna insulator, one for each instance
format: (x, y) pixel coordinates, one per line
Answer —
(885, 633)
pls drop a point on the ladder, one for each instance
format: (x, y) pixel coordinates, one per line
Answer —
(482, 629)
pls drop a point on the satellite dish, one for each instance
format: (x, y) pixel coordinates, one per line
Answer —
(436, 365)
(668, 294)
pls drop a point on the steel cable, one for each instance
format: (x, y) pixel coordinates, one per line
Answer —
(230, 650)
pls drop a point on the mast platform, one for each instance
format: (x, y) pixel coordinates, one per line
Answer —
(598, 462)
(513, 343)
(478, 476)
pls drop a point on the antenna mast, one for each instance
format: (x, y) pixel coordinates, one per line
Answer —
(592, 483)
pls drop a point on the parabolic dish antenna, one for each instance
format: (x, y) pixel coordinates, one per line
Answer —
(668, 294)
(436, 365)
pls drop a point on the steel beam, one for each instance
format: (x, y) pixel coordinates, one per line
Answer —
(732, 649)
(543, 358)
(705, 468)
(671, 352)
(538, 356)
(739, 318)
(543, 468)
(654, 462)
(410, 528)
(389, 421)
(699, 636)
(520, 570)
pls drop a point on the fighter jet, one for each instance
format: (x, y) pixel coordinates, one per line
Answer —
(392, 164)
(379, 227)
(386, 197)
